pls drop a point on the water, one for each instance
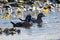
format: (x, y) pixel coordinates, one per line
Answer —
(50, 29)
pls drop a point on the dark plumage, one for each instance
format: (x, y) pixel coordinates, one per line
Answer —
(27, 20)
(25, 24)
(39, 19)
(19, 24)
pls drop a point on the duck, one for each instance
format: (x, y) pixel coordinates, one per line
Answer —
(39, 19)
(25, 22)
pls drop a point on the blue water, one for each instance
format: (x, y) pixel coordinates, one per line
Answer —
(51, 26)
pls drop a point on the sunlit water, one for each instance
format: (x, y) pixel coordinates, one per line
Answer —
(50, 29)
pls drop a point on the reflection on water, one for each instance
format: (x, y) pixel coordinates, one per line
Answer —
(50, 26)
